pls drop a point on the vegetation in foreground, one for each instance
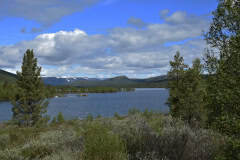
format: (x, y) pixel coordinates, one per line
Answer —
(138, 136)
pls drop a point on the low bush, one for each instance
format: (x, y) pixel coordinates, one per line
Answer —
(60, 117)
(89, 118)
(54, 120)
(101, 144)
(136, 137)
(179, 141)
(133, 111)
(36, 151)
(137, 133)
(147, 114)
(230, 151)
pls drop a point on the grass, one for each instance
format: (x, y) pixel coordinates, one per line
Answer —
(139, 136)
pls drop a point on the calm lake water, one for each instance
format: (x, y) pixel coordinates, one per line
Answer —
(101, 104)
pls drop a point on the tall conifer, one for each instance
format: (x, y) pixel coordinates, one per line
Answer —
(29, 103)
(192, 94)
(175, 75)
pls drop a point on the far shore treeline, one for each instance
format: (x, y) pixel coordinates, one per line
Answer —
(8, 90)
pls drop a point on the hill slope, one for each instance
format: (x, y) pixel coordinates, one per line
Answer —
(123, 82)
(7, 76)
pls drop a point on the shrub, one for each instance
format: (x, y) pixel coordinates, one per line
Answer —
(179, 141)
(60, 117)
(147, 114)
(4, 141)
(20, 136)
(139, 136)
(156, 124)
(101, 144)
(116, 115)
(89, 117)
(231, 150)
(10, 154)
(99, 116)
(162, 137)
(133, 111)
(42, 122)
(36, 151)
(54, 120)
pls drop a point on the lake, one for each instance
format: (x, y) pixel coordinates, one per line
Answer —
(104, 104)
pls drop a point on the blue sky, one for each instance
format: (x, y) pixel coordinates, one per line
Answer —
(102, 38)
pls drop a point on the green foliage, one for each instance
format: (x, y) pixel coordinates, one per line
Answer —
(36, 152)
(193, 94)
(54, 120)
(29, 103)
(49, 91)
(224, 83)
(138, 134)
(147, 114)
(72, 89)
(156, 123)
(60, 117)
(187, 91)
(89, 117)
(99, 116)
(230, 150)
(102, 90)
(51, 142)
(133, 138)
(101, 144)
(133, 111)
(7, 91)
(116, 115)
(179, 141)
(175, 74)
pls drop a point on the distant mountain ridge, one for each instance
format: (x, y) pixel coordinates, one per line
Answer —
(64, 81)
(119, 81)
(123, 81)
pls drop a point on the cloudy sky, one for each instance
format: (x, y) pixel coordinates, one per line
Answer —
(102, 38)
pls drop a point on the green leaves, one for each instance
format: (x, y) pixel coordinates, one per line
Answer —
(224, 85)
(187, 90)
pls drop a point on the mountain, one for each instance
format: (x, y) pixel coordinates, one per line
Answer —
(124, 82)
(119, 81)
(64, 81)
(7, 76)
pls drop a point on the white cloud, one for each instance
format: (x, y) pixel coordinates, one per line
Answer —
(177, 17)
(164, 13)
(122, 51)
(137, 22)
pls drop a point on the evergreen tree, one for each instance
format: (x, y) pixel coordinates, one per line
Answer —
(29, 103)
(192, 94)
(224, 84)
(175, 75)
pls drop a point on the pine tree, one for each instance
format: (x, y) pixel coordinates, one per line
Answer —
(28, 103)
(175, 75)
(192, 95)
